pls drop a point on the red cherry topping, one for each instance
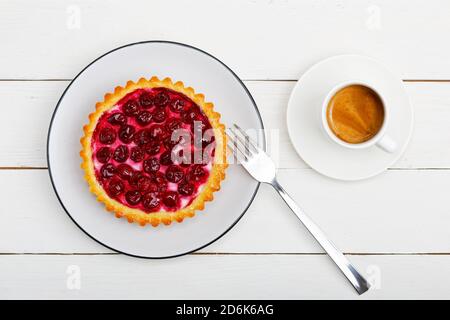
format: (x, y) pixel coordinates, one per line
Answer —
(170, 199)
(151, 201)
(107, 170)
(186, 188)
(153, 147)
(144, 183)
(166, 158)
(126, 133)
(173, 124)
(156, 131)
(186, 159)
(160, 181)
(142, 137)
(104, 154)
(153, 187)
(207, 140)
(159, 116)
(131, 108)
(115, 187)
(169, 143)
(133, 197)
(146, 100)
(190, 115)
(125, 171)
(196, 173)
(144, 125)
(144, 118)
(107, 136)
(121, 153)
(151, 165)
(161, 99)
(135, 178)
(117, 119)
(177, 105)
(137, 154)
(174, 174)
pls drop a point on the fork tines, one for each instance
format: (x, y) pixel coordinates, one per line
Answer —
(240, 141)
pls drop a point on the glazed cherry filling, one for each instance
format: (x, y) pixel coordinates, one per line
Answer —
(153, 150)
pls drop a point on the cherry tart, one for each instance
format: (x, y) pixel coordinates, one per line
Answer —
(154, 151)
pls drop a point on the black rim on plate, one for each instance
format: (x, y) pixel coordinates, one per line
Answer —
(64, 93)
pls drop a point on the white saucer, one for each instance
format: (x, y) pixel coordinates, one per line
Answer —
(195, 68)
(304, 123)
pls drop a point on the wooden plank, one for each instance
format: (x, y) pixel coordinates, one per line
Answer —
(28, 107)
(219, 277)
(31, 104)
(400, 211)
(280, 41)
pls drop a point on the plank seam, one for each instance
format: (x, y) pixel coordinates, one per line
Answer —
(232, 254)
(245, 80)
(280, 168)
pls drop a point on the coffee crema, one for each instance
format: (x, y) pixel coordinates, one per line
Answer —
(355, 114)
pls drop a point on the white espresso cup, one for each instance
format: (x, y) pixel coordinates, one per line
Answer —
(381, 139)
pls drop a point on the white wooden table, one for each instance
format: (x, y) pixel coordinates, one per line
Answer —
(401, 243)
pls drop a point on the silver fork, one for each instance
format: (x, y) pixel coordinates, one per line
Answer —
(261, 167)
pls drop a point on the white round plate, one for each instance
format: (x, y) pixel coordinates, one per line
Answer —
(181, 62)
(304, 118)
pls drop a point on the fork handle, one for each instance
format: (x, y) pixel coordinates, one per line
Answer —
(355, 278)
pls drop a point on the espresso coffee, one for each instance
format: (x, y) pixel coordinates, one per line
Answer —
(355, 114)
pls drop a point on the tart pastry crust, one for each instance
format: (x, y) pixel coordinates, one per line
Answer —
(216, 174)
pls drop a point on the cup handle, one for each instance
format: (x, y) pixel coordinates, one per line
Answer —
(387, 144)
